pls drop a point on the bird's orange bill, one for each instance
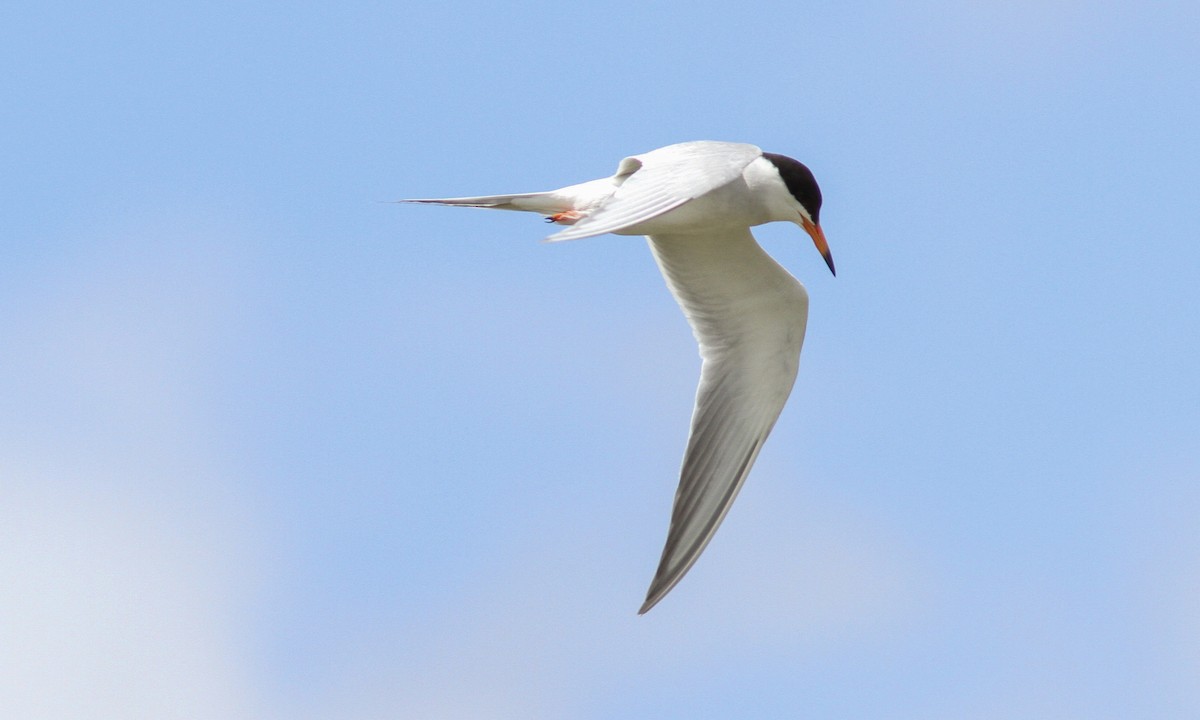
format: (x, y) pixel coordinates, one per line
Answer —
(818, 236)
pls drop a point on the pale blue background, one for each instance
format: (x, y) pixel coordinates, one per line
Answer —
(270, 448)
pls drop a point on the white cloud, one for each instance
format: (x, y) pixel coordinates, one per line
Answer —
(115, 606)
(125, 553)
(556, 625)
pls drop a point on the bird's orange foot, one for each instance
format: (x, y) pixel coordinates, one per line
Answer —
(570, 217)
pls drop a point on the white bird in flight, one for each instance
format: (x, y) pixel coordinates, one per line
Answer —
(696, 203)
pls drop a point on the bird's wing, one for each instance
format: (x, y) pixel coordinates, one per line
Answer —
(661, 180)
(749, 316)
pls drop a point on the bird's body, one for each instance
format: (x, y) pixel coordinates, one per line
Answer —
(696, 203)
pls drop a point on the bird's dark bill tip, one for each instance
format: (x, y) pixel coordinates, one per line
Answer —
(818, 237)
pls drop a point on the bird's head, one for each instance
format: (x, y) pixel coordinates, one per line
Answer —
(803, 188)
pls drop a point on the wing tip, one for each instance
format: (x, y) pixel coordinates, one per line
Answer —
(664, 582)
(653, 597)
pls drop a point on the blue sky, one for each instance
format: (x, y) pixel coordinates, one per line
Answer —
(271, 448)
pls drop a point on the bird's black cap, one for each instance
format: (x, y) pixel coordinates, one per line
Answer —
(800, 183)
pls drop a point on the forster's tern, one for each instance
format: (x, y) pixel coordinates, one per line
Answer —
(696, 202)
